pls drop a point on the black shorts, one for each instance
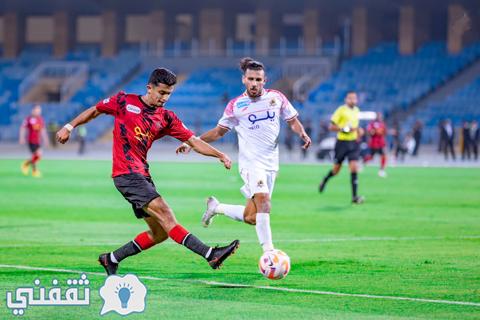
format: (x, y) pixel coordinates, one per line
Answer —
(138, 190)
(374, 151)
(346, 149)
(33, 147)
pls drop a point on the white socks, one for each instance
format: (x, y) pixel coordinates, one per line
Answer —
(262, 226)
(234, 212)
(112, 257)
(264, 232)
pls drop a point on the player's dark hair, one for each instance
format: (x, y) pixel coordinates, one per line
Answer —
(250, 64)
(162, 75)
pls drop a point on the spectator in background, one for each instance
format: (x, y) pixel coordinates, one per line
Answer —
(308, 130)
(447, 137)
(440, 141)
(474, 138)
(409, 143)
(466, 143)
(417, 136)
(289, 141)
(82, 139)
(322, 131)
(397, 142)
(52, 129)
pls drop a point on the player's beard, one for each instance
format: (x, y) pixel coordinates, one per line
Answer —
(254, 94)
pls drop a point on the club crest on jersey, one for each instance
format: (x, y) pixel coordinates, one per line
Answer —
(273, 102)
(133, 109)
(105, 101)
(260, 183)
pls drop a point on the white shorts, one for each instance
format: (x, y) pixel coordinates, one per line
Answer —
(257, 181)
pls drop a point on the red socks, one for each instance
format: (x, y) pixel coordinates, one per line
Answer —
(144, 240)
(367, 158)
(383, 161)
(34, 159)
(178, 234)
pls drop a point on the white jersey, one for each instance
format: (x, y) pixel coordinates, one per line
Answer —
(257, 122)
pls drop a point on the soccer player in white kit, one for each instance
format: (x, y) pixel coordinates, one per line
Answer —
(255, 115)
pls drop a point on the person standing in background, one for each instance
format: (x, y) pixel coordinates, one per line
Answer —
(322, 131)
(417, 136)
(289, 142)
(440, 137)
(308, 130)
(474, 138)
(82, 139)
(398, 145)
(466, 141)
(448, 137)
(52, 129)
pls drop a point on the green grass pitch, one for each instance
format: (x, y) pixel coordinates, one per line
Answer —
(417, 236)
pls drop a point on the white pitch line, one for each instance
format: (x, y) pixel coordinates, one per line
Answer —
(319, 240)
(238, 285)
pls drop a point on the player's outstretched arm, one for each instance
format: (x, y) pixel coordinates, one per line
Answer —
(214, 134)
(64, 134)
(204, 148)
(298, 128)
(209, 136)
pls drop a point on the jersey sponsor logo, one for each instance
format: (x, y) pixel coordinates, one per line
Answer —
(133, 109)
(242, 103)
(139, 134)
(253, 117)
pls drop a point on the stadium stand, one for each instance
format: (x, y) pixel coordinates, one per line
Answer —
(461, 105)
(386, 80)
(105, 75)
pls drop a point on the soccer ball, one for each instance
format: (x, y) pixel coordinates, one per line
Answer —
(274, 264)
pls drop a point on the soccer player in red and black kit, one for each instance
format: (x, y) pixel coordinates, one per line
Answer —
(33, 129)
(377, 131)
(140, 120)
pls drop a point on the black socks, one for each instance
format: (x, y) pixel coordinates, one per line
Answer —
(354, 182)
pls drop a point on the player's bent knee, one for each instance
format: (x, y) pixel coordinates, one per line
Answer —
(263, 204)
(162, 213)
(250, 219)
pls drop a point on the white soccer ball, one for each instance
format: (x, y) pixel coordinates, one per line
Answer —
(274, 264)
